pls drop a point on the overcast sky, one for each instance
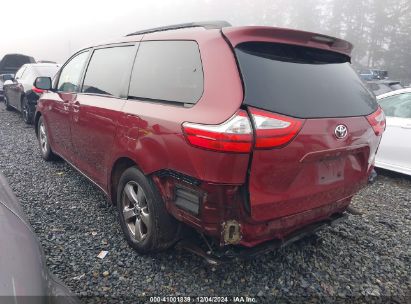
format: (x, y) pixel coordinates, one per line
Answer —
(54, 29)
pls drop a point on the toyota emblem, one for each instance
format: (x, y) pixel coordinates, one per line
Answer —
(341, 131)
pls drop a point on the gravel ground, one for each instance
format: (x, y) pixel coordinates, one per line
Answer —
(365, 259)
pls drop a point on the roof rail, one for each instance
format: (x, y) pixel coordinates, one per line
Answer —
(207, 25)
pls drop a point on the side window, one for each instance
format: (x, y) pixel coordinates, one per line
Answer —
(70, 75)
(397, 106)
(167, 71)
(108, 72)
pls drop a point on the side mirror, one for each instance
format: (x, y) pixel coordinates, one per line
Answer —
(7, 82)
(43, 83)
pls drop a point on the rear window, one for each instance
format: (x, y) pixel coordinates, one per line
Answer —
(301, 82)
(46, 71)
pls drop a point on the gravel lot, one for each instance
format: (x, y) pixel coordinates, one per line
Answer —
(365, 259)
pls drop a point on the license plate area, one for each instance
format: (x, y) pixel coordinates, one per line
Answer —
(331, 170)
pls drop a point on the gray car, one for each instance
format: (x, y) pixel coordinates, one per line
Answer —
(19, 92)
(24, 277)
(3, 78)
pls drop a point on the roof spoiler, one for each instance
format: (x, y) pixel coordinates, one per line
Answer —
(238, 35)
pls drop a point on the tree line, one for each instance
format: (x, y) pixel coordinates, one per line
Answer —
(379, 29)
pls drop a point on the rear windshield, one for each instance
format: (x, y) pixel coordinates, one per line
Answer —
(301, 82)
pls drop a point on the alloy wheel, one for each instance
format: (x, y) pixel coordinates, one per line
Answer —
(135, 211)
(43, 138)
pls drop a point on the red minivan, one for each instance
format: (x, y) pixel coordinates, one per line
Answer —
(247, 134)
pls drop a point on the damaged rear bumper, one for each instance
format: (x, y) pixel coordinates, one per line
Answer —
(233, 253)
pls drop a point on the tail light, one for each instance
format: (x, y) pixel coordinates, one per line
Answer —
(377, 121)
(274, 130)
(38, 91)
(233, 135)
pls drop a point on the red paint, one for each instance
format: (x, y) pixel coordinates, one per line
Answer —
(237, 35)
(307, 176)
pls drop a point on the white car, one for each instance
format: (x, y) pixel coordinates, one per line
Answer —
(394, 152)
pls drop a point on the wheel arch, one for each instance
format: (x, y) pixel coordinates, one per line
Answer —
(118, 167)
(36, 122)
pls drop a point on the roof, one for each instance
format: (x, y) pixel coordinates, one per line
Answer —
(393, 93)
(16, 54)
(236, 35)
(207, 25)
(36, 65)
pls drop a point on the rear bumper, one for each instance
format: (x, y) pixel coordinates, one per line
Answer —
(237, 253)
(283, 227)
(217, 210)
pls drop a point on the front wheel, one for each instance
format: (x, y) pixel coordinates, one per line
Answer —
(145, 222)
(26, 111)
(44, 142)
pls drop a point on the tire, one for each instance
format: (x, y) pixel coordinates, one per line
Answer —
(26, 111)
(6, 102)
(44, 142)
(145, 222)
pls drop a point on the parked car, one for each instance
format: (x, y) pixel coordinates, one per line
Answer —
(379, 87)
(19, 92)
(395, 150)
(24, 277)
(373, 74)
(244, 153)
(3, 78)
(12, 62)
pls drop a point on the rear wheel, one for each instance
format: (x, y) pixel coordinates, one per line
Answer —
(44, 142)
(146, 224)
(6, 102)
(26, 111)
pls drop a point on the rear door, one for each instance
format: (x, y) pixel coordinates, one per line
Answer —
(314, 145)
(395, 149)
(97, 109)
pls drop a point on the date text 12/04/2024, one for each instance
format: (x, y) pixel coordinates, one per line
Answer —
(199, 299)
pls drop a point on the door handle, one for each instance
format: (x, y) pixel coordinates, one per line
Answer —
(65, 105)
(406, 126)
(76, 106)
